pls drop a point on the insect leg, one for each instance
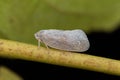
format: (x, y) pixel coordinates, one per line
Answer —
(39, 43)
(47, 47)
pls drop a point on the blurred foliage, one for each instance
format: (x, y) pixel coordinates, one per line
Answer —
(7, 74)
(20, 19)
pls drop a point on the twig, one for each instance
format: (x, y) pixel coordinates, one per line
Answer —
(13, 49)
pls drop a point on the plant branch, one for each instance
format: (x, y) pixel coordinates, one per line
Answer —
(13, 49)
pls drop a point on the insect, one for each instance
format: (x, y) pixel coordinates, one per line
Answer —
(67, 40)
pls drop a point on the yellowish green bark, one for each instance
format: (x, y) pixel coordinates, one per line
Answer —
(13, 49)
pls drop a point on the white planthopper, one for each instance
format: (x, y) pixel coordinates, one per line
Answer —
(67, 40)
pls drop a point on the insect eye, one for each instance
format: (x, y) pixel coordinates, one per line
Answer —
(36, 36)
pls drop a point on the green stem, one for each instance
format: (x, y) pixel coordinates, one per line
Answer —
(13, 49)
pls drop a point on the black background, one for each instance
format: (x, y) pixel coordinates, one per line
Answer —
(102, 44)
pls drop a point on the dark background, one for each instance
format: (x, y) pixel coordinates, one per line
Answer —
(102, 44)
